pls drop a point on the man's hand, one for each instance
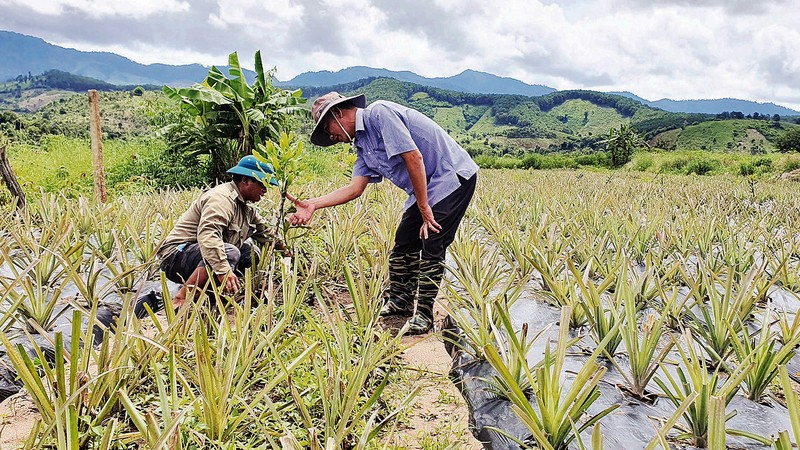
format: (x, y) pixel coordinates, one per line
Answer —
(230, 282)
(428, 222)
(305, 210)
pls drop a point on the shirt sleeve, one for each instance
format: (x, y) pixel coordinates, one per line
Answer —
(396, 136)
(215, 216)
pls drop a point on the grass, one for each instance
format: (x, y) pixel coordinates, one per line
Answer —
(586, 118)
(62, 164)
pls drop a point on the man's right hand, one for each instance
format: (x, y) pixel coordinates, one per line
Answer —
(230, 282)
(305, 210)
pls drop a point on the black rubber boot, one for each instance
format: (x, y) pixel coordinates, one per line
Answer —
(430, 277)
(403, 281)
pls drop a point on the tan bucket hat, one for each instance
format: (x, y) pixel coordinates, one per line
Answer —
(321, 107)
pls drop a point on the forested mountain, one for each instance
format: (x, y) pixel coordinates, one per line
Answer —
(467, 81)
(28, 56)
(565, 121)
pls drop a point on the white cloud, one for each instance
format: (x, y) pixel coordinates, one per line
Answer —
(661, 48)
(103, 8)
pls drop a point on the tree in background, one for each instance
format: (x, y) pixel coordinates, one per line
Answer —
(226, 118)
(621, 143)
(789, 141)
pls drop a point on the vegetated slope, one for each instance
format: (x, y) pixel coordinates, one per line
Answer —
(29, 93)
(122, 114)
(742, 135)
(564, 121)
(511, 124)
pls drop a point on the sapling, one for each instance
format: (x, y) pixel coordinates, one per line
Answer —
(286, 158)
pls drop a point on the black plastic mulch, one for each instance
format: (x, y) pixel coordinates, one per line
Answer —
(630, 426)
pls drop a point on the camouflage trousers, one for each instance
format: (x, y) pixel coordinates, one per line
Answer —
(416, 265)
(412, 278)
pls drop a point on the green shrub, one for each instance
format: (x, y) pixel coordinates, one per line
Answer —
(642, 162)
(532, 162)
(702, 166)
(537, 161)
(676, 165)
(594, 159)
(791, 163)
(763, 162)
(747, 168)
(157, 169)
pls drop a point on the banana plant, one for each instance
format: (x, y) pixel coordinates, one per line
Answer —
(228, 118)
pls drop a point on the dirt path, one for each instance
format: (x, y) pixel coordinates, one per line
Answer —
(17, 416)
(439, 417)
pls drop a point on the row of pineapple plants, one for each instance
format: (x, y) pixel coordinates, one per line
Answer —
(282, 365)
(674, 277)
(618, 255)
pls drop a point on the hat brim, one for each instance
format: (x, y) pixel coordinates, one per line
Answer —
(258, 175)
(319, 136)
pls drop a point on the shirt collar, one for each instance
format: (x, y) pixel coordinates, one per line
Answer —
(235, 189)
(360, 120)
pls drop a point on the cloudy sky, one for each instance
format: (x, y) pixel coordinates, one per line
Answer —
(679, 49)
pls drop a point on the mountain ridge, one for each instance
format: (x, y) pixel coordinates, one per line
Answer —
(471, 81)
(22, 54)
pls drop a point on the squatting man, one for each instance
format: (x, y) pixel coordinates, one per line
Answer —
(408, 148)
(211, 236)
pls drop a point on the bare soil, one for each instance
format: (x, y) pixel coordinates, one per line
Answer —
(17, 416)
(439, 418)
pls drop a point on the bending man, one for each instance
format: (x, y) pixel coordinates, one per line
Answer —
(413, 152)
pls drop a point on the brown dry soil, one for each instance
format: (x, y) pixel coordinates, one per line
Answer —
(17, 416)
(438, 419)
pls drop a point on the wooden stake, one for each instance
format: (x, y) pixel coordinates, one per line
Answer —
(11, 180)
(97, 146)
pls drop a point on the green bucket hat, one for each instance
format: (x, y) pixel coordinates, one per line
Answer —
(250, 166)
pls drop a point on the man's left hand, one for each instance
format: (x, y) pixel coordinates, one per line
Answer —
(428, 222)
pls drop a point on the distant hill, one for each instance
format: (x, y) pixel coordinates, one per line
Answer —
(713, 106)
(467, 81)
(28, 55)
